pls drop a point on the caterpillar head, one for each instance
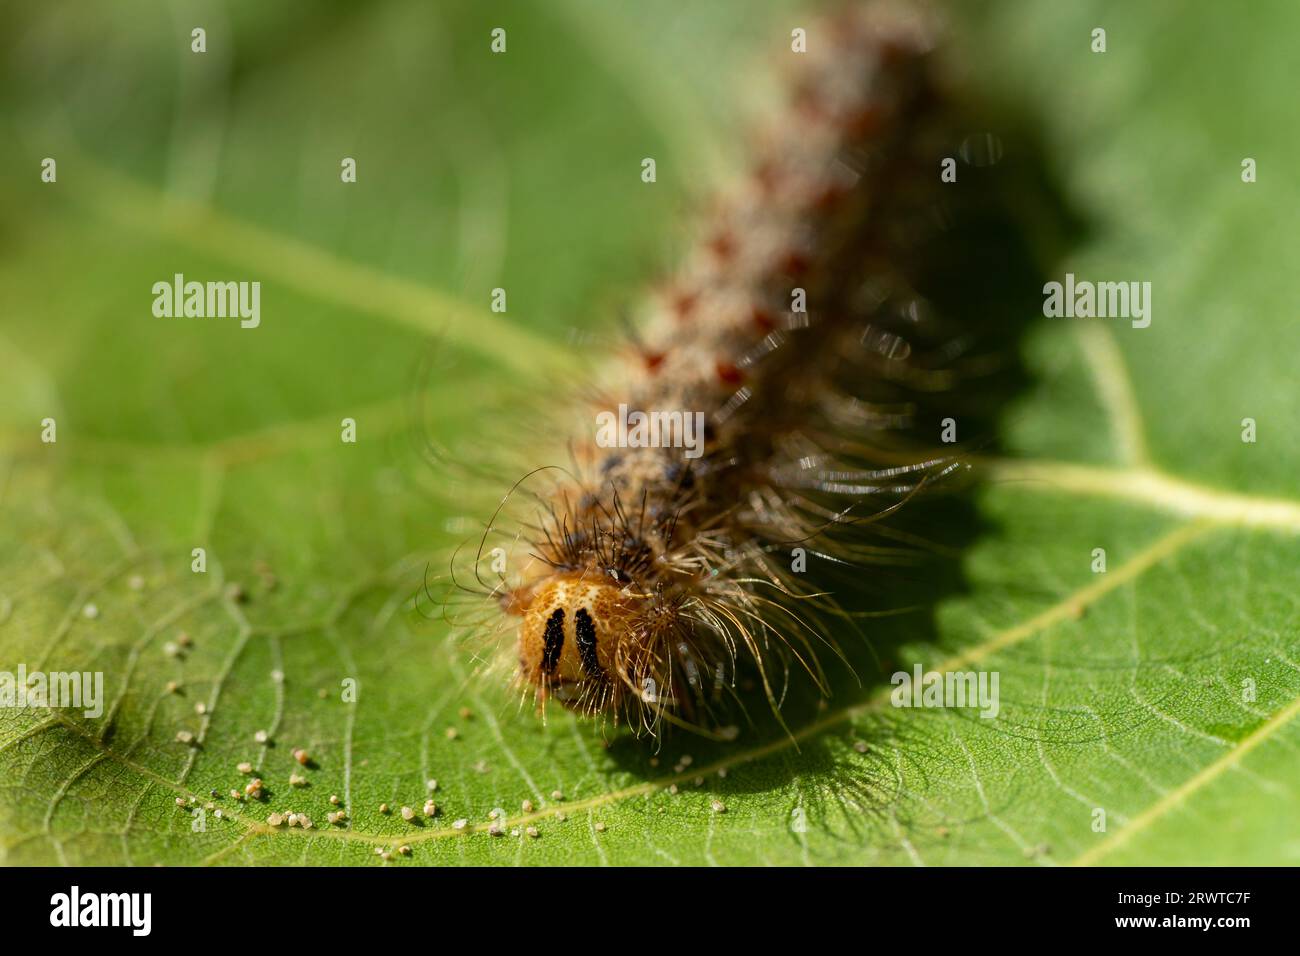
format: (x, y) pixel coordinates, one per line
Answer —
(575, 630)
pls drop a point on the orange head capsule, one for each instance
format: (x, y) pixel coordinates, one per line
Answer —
(570, 638)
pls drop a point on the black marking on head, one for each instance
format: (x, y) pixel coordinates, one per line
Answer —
(586, 629)
(553, 641)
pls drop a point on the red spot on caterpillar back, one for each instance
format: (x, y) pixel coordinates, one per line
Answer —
(809, 105)
(723, 246)
(729, 374)
(762, 320)
(794, 263)
(767, 177)
(683, 304)
(829, 196)
(865, 121)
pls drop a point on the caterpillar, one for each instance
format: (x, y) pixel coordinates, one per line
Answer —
(767, 407)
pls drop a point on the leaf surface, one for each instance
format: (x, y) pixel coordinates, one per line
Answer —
(1123, 692)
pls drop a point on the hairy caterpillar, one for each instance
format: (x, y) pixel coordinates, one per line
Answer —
(658, 570)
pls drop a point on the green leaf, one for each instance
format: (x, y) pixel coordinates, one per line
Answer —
(1121, 691)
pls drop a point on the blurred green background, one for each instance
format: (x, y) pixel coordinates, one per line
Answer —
(522, 171)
